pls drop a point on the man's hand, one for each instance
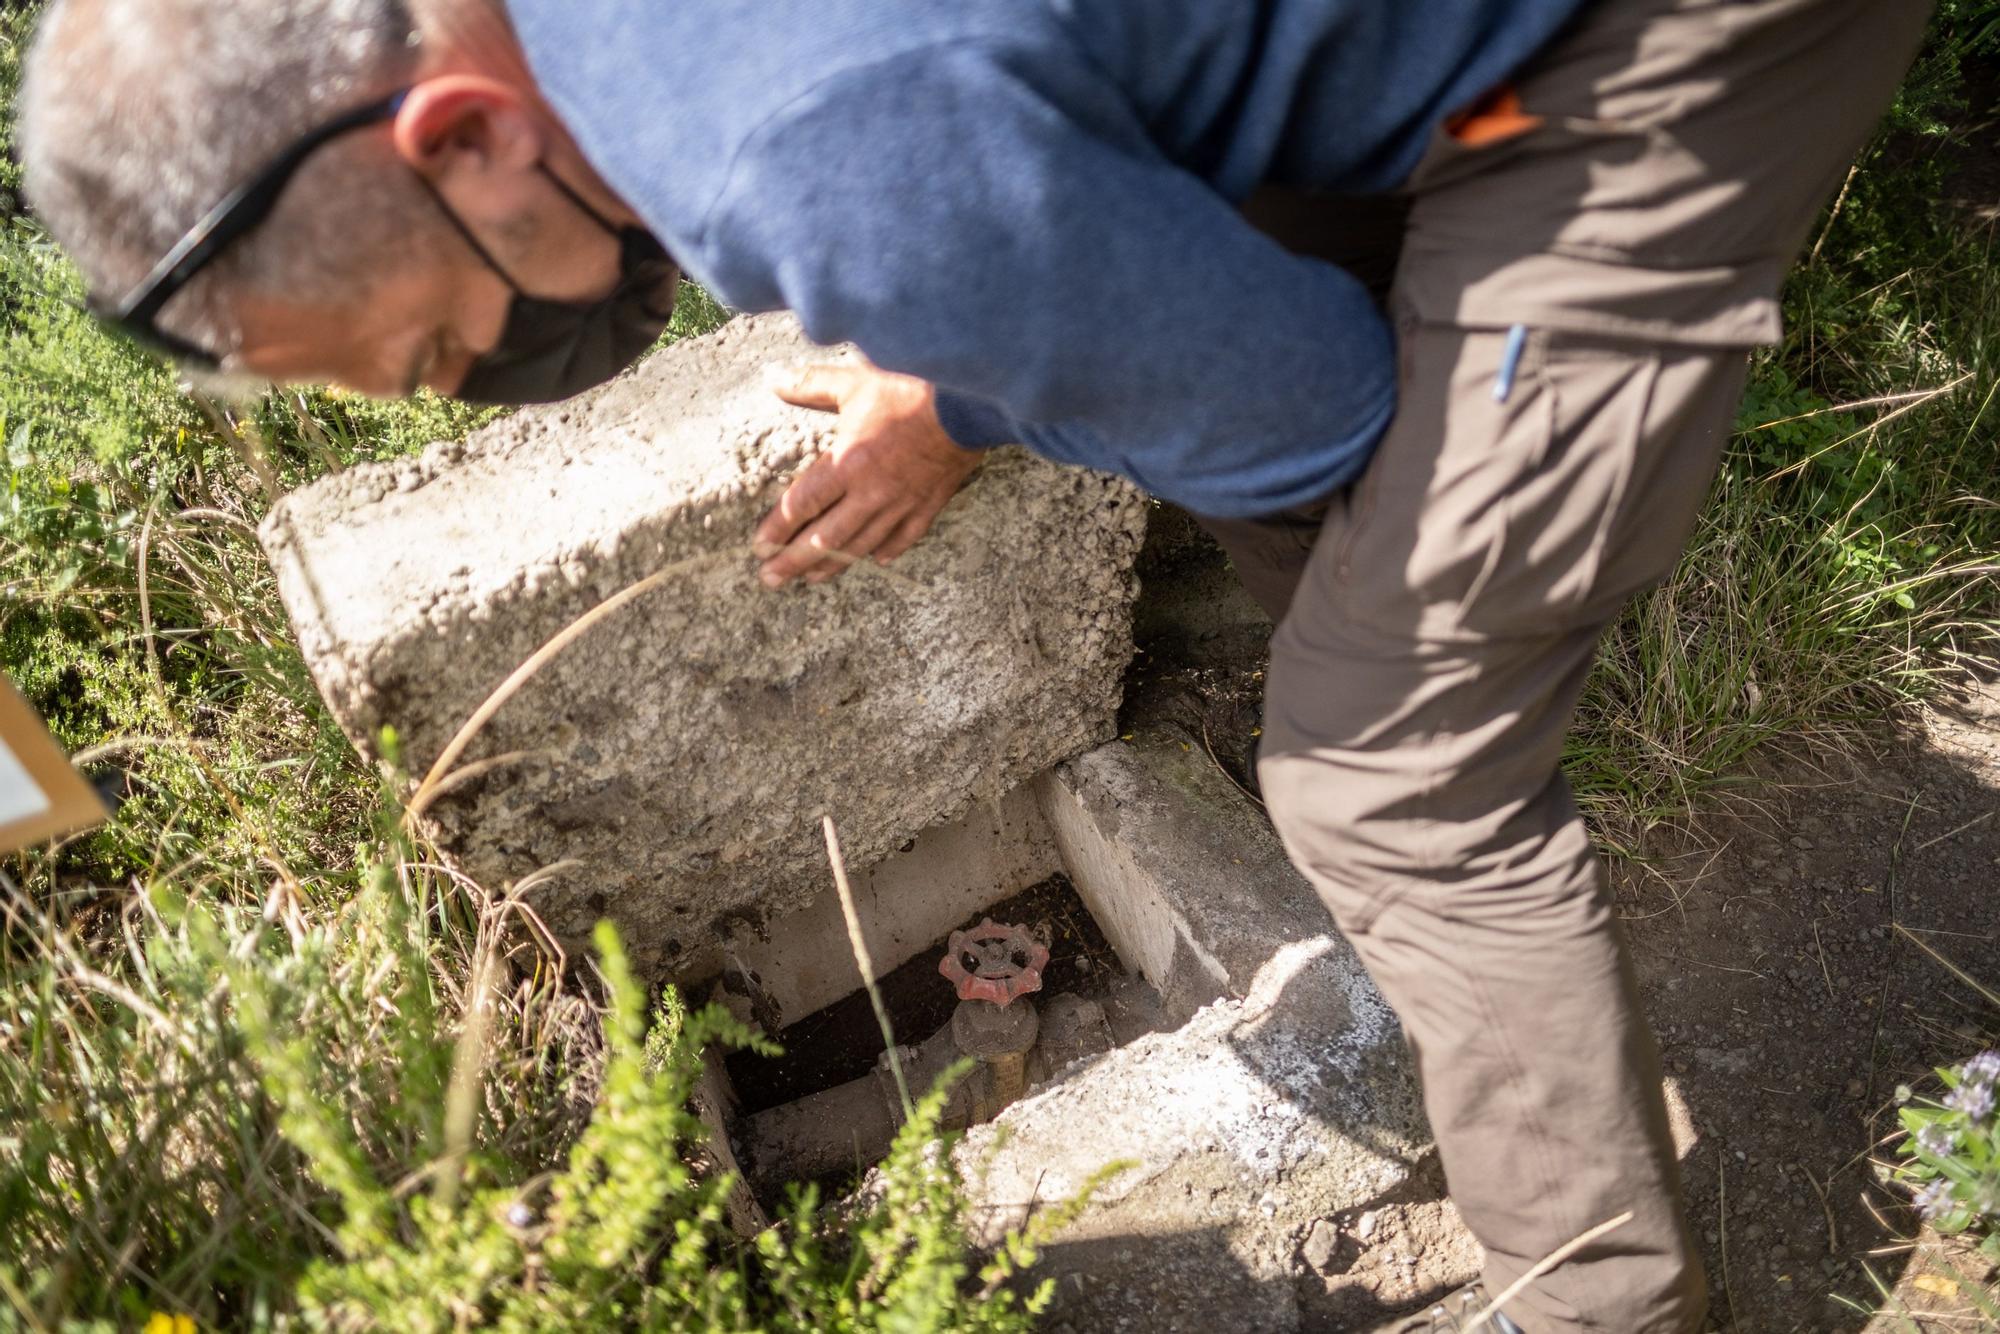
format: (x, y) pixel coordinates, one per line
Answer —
(877, 490)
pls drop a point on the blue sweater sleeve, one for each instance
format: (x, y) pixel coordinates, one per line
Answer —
(1003, 227)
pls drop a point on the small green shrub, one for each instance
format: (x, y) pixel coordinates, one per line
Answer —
(1952, 1151)
(270, 1120)
(626, 1235)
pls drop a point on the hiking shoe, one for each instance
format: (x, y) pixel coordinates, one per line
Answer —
(1451, 1315)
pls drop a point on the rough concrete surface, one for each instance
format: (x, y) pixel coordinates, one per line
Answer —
(1187, 878)
(1245, 1126)
(1286, 1098)
(679, 754)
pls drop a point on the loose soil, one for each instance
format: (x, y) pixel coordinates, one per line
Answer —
(1794, 962)
(1791, 950)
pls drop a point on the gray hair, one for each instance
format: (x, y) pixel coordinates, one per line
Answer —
(137, 116)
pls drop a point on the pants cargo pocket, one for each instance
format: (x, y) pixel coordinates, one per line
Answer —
(1572, 455)
(1524, 495)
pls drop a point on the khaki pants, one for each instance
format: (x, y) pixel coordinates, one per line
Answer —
(1439, 617)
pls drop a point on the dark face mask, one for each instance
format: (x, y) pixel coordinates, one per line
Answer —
(552, 350)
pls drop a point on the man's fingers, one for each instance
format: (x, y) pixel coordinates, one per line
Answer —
(811, 494)
(894, 469)
(855, 548)
(831, 532)
(824, 386)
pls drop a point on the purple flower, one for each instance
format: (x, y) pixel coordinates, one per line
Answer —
(1981, 1069)
(1973, 1097)
(1937, 1140)
(1934, 1200)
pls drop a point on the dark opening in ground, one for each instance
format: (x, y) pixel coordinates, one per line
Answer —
(842, 1041)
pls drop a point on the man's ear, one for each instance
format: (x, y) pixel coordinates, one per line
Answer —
(458, 121)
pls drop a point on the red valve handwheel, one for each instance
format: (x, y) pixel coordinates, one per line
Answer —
(994, 963)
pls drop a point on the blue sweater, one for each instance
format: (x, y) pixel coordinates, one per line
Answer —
(1031, 203)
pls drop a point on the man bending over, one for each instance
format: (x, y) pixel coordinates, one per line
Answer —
(1031, 216)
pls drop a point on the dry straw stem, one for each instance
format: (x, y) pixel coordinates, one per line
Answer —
(1977, 819)
(862, 958)
(427, 791)
(248, 445)
(434, 784)
(1915, 399)
(1543, 1266)
(1947, 964)
(468, 1068)
(164, 701)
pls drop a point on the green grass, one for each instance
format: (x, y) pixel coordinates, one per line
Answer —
(1845, 566)
(264, 1062)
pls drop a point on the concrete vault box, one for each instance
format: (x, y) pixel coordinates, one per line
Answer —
(1248, 1072)
(673, 760)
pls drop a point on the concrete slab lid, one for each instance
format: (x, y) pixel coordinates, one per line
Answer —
(677, 758)
(645, 455)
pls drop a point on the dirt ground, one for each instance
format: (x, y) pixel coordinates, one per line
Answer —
(1797, 964)
(1793, 954)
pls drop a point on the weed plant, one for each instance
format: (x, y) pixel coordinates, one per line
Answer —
(395, 1115)
(1952, 1151)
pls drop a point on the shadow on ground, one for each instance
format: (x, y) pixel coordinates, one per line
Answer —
(1798, 968)
(1797, 960)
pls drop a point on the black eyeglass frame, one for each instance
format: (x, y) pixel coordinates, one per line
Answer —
(238, 213)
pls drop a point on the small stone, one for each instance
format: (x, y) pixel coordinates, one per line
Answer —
(1364, 1227)
(1855, 1088)
(1320, 1245)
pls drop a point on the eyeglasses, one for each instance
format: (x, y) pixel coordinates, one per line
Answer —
(240, 212)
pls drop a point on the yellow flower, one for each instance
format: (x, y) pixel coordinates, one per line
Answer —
(162, 1323)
